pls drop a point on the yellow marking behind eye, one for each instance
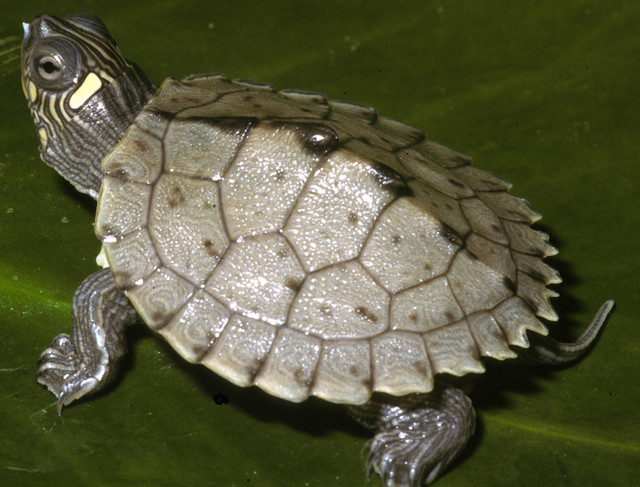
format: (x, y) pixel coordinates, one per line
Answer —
(32, 92)
(86, 90)
(43, 137)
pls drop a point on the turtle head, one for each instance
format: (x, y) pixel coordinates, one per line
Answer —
(81, 92)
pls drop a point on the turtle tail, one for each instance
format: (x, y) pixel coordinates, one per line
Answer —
(549, 351)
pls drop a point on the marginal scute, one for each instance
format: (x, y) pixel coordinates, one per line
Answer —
(453, 350)
(483, 221)
(160, 296)
(400, 133)
(495, 256)
(133, 256)
(489, 337)
(441, 155)
(354, 110)
(400, 364)
(176, 95)
(536, 268)
(537, 295)
(194, 329)
(122, 207)
(138, 158)
(446, 208)
(510, 208)
(239, 352)
(289, 370)
(343, 374)
(515, 318)
(525, 239)
(482, 180)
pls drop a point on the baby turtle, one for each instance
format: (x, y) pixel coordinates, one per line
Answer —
(306, 246)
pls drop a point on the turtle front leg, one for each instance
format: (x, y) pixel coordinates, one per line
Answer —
(85, 361)
(417, 435)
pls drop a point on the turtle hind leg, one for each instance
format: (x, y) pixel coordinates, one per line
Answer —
(546, 350)
(417, 436)
(84, 362)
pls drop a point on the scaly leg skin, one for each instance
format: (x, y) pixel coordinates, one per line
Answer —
(85, 361)
(418, 435)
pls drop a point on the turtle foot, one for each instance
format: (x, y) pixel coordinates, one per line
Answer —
(419, 436)
(64, 375)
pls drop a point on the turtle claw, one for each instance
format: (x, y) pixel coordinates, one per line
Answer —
(61, 372)
(418, 435)
(405, 458)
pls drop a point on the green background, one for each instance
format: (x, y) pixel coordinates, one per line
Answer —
(543, 93)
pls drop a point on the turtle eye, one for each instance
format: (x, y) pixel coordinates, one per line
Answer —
(49, 68)
(55, 64)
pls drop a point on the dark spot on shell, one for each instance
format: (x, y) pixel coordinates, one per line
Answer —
(125, 277)
(293, 284)
(118, 170)
(396, 239)
(177, 197)
(157, 316)
(449, 316)
(450, 235)
(316, 138)
(354, 370)
(472, 255)
(209, 204)
(427, 267)
(536, 276)
(325, 310)
(421, 368)
(282, 253)
(391, 180)
(509, 284)
(140, 145)
(299, 377)
(236, 126)
(353, 218)
(413, 318)
(455, 183)
(461, 160)
(208, 245)
(280, 175)
(496, 228)
(363, 312)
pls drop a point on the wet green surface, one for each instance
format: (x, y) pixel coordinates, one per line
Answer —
(542, 93)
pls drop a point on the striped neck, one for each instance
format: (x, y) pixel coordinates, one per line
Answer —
(75, 148)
